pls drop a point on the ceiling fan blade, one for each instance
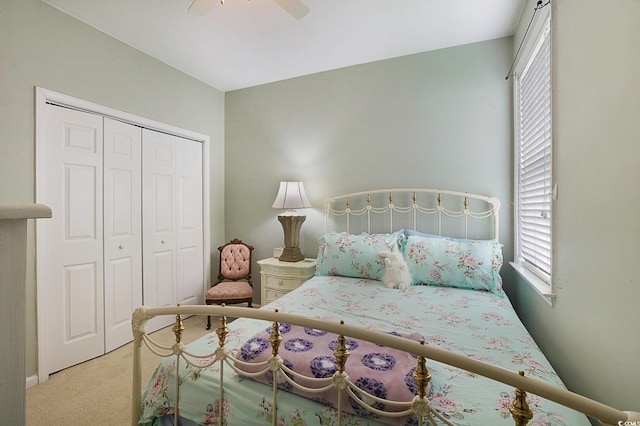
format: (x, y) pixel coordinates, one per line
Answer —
(201, 7)
(294, 7)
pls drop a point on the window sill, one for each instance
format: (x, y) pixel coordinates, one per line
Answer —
(540, 286)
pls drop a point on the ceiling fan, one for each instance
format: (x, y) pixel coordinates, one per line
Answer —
(295, 7)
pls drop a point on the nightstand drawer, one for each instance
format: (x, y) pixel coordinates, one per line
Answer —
(305, 270)
(281, 283)
(271, 295)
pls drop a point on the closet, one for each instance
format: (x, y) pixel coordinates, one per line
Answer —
(127, 229)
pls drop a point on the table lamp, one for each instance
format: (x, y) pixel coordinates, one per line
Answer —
(291, 196)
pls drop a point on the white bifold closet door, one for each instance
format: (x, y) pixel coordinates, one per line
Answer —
(122, 229)
(93, 246)
(172, 222)
(73, 239)
(127, 230)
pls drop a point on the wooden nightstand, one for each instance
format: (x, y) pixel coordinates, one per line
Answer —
(279, 278)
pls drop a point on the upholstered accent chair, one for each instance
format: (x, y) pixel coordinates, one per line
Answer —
(234, 276)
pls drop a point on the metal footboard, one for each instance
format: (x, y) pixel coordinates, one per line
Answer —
(419, 406)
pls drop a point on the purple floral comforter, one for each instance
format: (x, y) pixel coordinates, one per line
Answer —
(384, 372)
(479, 324)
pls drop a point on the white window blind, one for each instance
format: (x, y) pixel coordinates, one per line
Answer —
(534, 160)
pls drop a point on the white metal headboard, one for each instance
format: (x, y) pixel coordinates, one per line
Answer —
(374, 210)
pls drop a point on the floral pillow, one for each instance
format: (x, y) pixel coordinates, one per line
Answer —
(449, 262)
(351, 255)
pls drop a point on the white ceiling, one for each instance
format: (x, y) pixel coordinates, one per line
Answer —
(244, 43)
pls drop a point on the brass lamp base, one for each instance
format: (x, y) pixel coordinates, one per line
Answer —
(291, 225)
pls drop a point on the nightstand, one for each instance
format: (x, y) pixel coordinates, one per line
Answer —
(279, 278)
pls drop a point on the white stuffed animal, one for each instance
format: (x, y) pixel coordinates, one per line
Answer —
(396, 272)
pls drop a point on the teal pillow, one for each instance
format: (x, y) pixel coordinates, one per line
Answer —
(470, 264)
(350, 255)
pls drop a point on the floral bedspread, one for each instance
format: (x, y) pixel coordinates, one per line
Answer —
(479, 324)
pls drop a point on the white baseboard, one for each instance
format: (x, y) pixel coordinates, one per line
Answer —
(32, 381)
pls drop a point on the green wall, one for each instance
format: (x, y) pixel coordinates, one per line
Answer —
(440, 119)
(591, 335)
(40, 46)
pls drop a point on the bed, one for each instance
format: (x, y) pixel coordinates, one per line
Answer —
(345, 349)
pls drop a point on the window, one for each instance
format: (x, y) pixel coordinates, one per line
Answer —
(533, 161)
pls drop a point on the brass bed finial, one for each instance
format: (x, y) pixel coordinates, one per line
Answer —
(275, 338)
(341, 352)
(222, 330)
(178, 328)
(439, 200)
(519, 409)
(348, 203)
(414, 197)
(421, 375)
(390, 198)
(466, 203)
(368, 199)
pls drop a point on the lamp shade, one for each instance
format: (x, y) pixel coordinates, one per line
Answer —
(291, 195)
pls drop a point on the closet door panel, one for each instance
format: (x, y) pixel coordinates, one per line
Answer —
(190, 289)
(120, 296)
(122, 229)
(73, 262)
(81, 310)
(159, 223)
(163, 271)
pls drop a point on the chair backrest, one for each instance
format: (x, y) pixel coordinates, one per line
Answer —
(235, 261)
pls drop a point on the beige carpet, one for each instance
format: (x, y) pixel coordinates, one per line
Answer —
(98, 392)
